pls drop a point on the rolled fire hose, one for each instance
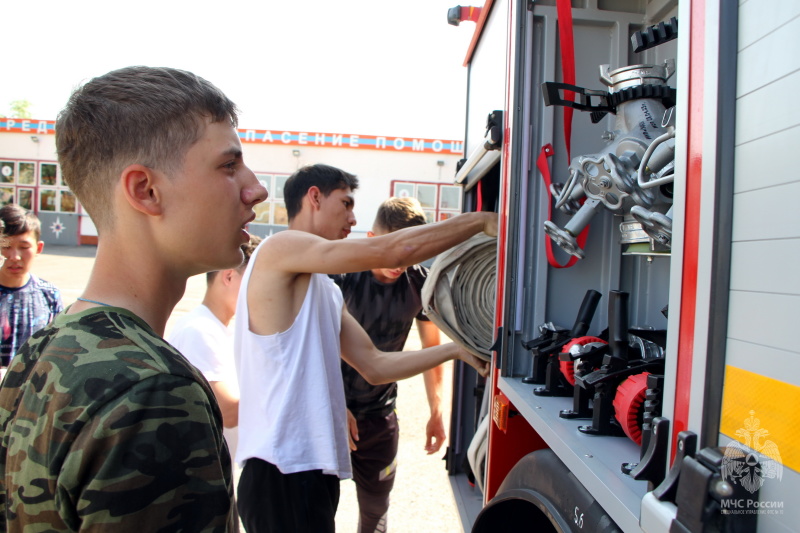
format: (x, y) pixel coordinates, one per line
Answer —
(459, 294)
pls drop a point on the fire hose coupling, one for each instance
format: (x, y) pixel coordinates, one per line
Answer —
(657, 225)
(636, 75)
(567, 238)
(636, 166)
(633, 82)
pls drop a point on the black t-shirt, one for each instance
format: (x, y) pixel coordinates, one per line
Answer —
(386, 311)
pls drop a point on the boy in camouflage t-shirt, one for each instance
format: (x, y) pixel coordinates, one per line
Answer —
(120, 404)
(103, 425)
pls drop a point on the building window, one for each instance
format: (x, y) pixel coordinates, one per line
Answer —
(7, 172)
(27, 173)
(6, 195)
(25, 198)
(49, 174)
(48, 200)
(43, 191)
(439, 201)
(273, 210)
(69, 204)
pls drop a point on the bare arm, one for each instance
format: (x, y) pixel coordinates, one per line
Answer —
(435, 434)
(303, 252)
(384, 367)
(228, 403)
(352, 433)
(429, 336)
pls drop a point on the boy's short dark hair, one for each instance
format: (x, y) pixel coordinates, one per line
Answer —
(398, 213)
(144, 115)
(325, 177)
(17, 220)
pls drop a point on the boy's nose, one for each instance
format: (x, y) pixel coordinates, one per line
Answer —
(254, 192)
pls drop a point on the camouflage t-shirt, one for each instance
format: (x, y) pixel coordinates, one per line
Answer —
(105, 427)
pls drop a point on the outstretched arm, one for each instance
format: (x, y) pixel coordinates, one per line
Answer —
(435, 434)
(384, 367)
(303, 252)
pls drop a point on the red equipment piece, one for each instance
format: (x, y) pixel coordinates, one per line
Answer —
(458, 14)
(629, 405)
(568, 367)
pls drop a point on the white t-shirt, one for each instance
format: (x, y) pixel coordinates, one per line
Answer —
(292, 409)
(208, 344)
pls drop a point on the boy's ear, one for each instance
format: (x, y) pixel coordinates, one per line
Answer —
(314, 196)
(140, 186)
(39, 247)
(370, 233)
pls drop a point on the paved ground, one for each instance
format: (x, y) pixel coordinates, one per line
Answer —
(421, 501)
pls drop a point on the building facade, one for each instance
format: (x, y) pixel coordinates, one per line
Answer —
(385, 165)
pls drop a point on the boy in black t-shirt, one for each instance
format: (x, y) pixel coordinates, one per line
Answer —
(386, 302)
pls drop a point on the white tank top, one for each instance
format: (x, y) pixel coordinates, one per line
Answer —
(292, 407)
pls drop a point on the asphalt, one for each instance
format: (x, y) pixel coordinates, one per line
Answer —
(422, 500)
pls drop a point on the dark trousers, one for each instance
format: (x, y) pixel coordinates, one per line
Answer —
(374, 465)
(272, 502)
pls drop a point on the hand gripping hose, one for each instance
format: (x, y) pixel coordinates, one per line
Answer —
(459, 294)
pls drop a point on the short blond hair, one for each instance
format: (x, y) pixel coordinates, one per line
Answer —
(398, 213)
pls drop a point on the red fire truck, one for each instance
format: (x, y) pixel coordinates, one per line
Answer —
(645, 375)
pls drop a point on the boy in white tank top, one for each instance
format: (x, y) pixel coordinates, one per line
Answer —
(292, 329)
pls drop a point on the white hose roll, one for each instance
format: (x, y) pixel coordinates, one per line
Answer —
(459, 294)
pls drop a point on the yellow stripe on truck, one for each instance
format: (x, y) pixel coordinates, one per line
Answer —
(757, 410)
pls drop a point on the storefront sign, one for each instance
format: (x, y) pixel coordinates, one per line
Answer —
(349, 140)
(288, 138)
(28, 125)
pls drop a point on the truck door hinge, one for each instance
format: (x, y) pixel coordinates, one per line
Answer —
(497, 347)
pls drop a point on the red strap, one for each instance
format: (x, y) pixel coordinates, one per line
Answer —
(544, 170)
(564, 10)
